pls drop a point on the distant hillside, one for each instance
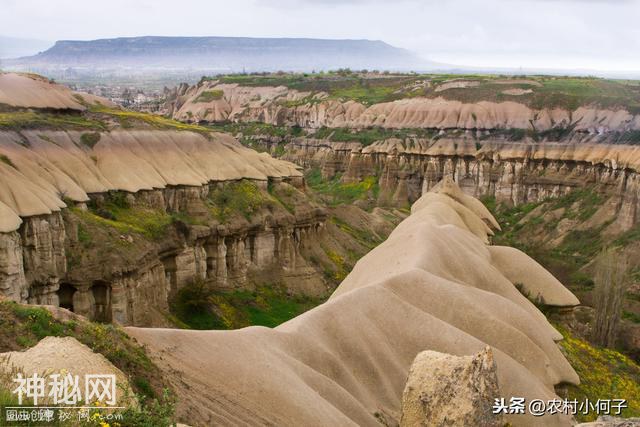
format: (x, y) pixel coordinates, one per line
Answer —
(221, 53)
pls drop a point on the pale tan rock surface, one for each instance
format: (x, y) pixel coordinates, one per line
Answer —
(54, 355)
(431, 286)
(56, 164)
(445, 390)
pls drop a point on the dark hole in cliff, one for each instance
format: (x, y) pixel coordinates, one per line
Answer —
(102, 295)
(65, 295)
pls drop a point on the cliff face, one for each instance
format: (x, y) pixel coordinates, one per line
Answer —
(514, 173)
(128, 278)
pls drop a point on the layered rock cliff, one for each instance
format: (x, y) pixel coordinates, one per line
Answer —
(54, 189)
(513, 172)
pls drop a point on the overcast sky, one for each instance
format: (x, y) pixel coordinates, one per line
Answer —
(572, 34)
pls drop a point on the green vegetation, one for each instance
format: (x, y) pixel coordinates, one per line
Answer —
(90, 139)
(209, 96)
(366, 238)
(17, 120)
(604, 374)
(23, 326)
(197, 306)
(241, 197)
(129, 119)
(633, 317)
(370, 88)
(336, 192)
(578, 246)
(7, 161)
(84, 236)
(257, 129)
(369, 136)
(116, 212)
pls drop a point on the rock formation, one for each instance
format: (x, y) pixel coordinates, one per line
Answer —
(62, 356)
(346, 361)
(48, 177)
(445, 390)
(282, 106)
(512, 172)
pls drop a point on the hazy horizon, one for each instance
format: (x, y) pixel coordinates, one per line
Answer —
(598, 35)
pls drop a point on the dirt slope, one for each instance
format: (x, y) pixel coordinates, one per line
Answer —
(34, 91)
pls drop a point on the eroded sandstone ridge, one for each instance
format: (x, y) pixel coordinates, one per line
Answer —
(346, 361)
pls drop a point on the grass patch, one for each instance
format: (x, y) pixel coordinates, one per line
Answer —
(198, 306)
(241, 197)
(370, 135)
(249, 130)
(604, 374)
(116, 213)
(18, 120)
(336, 192)
(367, 88)
(366, 238)
(22, 326)
(209, 96)
(129, 119)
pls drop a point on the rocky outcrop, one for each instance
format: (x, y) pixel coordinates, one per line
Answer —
(446, 390)
(55, 358)
(338, 372)
(282, 106)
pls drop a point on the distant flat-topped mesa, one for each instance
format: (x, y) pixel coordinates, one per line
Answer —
(434, 284)
(163, 54)
(405, 101)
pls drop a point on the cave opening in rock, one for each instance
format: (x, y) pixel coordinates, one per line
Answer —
(65, 295)
(102, 295)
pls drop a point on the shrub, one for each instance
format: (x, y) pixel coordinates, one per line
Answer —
(209, 96)
(6, 160)
(90, 139)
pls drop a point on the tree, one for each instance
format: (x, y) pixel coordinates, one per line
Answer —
(611, 281)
